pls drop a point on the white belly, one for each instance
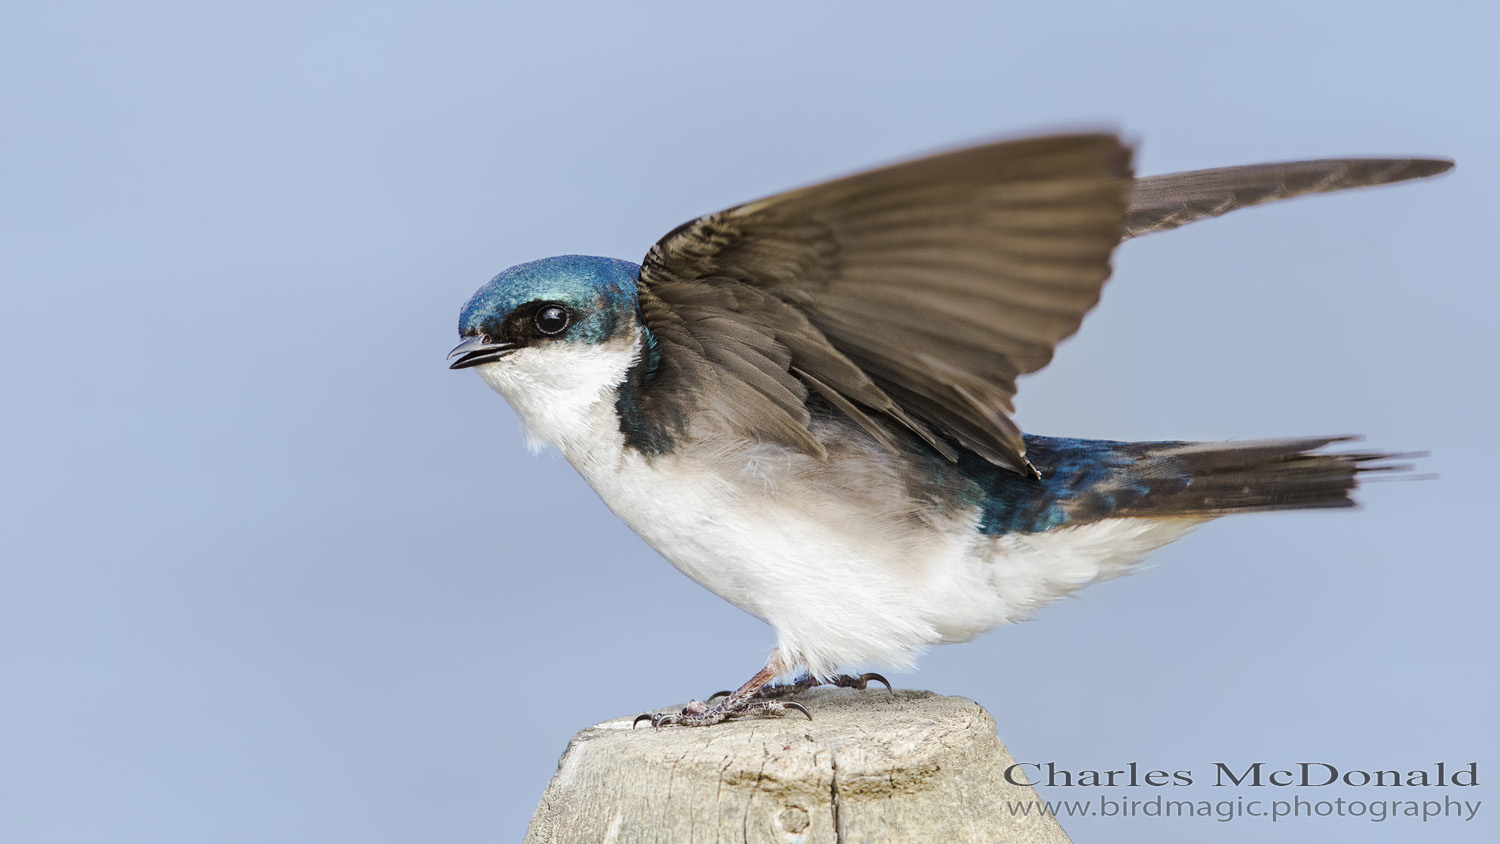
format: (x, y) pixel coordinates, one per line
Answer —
(833, 554)
(838, 560)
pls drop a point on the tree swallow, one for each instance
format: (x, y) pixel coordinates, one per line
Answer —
(804, 403)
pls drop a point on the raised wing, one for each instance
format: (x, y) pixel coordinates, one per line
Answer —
(917, 293)
(1162, 203)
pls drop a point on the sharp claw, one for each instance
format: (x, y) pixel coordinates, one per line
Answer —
(792, 704)
(864, 680)
(725, 693)
(639, 718)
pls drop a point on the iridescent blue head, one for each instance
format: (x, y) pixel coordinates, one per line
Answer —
(567, 299)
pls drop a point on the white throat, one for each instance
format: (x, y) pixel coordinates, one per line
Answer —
(565, 393)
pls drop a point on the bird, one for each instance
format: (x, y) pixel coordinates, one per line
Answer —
(805, 402)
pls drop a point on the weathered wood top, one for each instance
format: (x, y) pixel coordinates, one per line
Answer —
(871, 766)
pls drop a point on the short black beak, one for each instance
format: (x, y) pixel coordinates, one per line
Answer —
(476, 350)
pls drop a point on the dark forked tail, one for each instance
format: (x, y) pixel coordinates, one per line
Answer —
(1243, 477)
(1090, 480)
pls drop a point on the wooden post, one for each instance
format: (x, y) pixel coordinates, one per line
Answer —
(871, 766)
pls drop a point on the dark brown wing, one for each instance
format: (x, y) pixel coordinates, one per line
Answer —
(1161, 203)
(914, 294)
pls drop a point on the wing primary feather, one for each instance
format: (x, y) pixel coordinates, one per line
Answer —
(1162, 203)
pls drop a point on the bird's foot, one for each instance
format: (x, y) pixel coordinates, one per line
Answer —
(699, 714)
(756, 697)
(847, 681)
(807, 681)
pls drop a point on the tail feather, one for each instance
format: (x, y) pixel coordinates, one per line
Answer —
(1086, 481)
(1239, 477)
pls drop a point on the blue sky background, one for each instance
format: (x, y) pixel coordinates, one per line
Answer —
(270, 572)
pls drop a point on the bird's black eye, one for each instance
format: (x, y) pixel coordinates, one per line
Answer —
(552, 319)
